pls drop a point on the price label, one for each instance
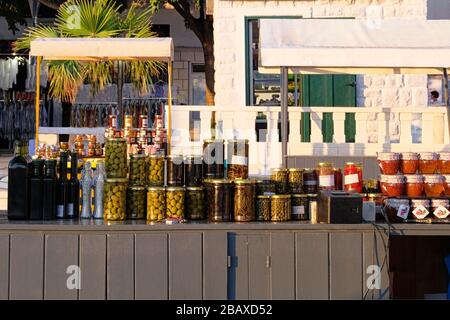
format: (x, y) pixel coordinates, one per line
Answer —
(441, 212)
(403, 212)
(420, 212)
(326, 181)
(239, 160)
(351, 179)
(298, 210)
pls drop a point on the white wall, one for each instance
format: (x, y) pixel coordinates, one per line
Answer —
(438, 9)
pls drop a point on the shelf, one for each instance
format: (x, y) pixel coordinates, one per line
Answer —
(71, 130)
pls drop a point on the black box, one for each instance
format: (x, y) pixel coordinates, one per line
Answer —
(339, 207)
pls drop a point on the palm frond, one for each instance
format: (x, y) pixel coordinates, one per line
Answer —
(137, 23)
(31, 33)
(142, 72)
(65, 79)
(98, 74)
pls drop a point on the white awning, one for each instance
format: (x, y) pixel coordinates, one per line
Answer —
(160, 49)
(360, 46)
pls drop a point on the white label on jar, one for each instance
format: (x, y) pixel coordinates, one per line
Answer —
(326, 181)
(351, 179)
(69, 209)
(60, 211)
(268, 193)
(239, 160)
(441, 212)
(310, 183)
(298, 210)
(420, 212)
(403, 211)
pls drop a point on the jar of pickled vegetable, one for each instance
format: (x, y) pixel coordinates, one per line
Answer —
(138, 172)
(392, 185)
(175, 170)
(388, 162)
(440, 208)
(244, 200)
(136, 202)
(299, 207)
(156, 170)
(420, 209)
(156, 203)
(325, 173)
(428, 163)
(280, 207)
(219, 199)
(265, 187)
(263, 208)
(195, 203)
(409, 163)
(295, 180)
(115, 199)
(213, 159)
(237, 160)
(193, 173)
(175, 203)
(414, 185)
(397, 210)
(116, 157)
(444, 162)
(434, 185)
(280, 177)
(447, 185)
(309, 181)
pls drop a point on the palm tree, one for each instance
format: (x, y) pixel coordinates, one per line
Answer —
(95, 19)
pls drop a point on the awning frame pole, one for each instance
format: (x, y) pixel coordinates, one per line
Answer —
(169, 106)
(37, 101)
(446, 98)
(284, 115)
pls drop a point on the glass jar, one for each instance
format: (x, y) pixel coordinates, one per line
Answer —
(447, 185)
(136, 206)
(244, 200)
(280, 177)
(175, 170)
(263, 208)
(309, 181)
(428, 163)
(237, 160)
(434, 185)
(420, 209)
(116, 157)
(440, 208)
(378, 199)
(295, 180)
(414, 185)
(338, 178)
(325, 173)
(397, 210)
(193, 174)
(444, 162)
(138, 174)
(265, 187)
(392, 185)
(156, 203)
(280, 207)
(115, 199)
(388, 162)
(409, 163)
(352, 181)
(175, 203)
(156, 170)
(219, 199)
(299, 207)
(213, 159)
(195, 203)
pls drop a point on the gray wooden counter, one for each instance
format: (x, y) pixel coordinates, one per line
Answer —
(135, 260)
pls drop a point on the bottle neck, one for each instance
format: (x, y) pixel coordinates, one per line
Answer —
(73, 167)
(63, 167)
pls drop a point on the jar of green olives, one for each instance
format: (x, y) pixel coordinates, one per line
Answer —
(156, 170)
(136, 198)
(195, 203)
(263, 208)
(280, 207)
(138, 174)
(219, 199)
(175, 203)
(175, 170)
(280, 177)
(115, 199)
(116, 157)
(156, 203)
(213, 158)
(244, 200)
(265, 187)
(295, 180)
(299, 210)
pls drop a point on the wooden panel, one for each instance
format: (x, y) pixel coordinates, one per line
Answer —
(258, 267)
(312, 266)
(238, 287)
(120, 266)
(345, 265)
(93, 266)
(61, 267)
(381, 258)
(4, 266)
(215, 265)
(185, 266)
(151, 266)
(282, 252)
(27, 266)
(368, 261)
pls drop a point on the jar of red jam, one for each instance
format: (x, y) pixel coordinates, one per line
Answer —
(389, 162)
(392, 185)
(428, 163)
(420, 209)
(440, 208)
(352, 178)
(409, 163)
(447, 185)
(397, 210)
(414, 185)
(444, 162)
(325, 173)
(434, 185)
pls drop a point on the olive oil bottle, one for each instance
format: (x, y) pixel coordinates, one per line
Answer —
(36, 195)
(49, 190)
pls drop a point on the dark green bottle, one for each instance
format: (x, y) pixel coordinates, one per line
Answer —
(36, 195)
(49, 190)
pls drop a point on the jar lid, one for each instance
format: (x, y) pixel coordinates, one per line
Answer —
(428, 156)
(312, 195)
(439, 202)
(264, 181)
(444, 156)
(139, 188)
(172, 156)
(175, 188)
(156, 188)
(309, 170)
(213, 141)
(325, 164)
(137, 156)
(420, 202)
(195, 188)
(116, 180)
(410, 156)
(397, 202)
(156, 156)
(296, 170)
(375, 195)
(386, 156)
(434, 178)
(414, 178)
(116, 139)
(244, 181)
(299, 195)
(237, 140)
(264, 197)
(217, 181)
(281, 196)
(279, 170)
(350, 164)
(396, 178)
